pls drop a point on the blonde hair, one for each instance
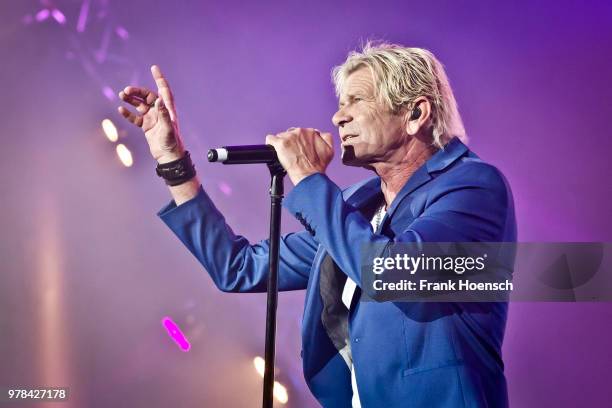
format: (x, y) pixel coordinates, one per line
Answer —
(403, 74)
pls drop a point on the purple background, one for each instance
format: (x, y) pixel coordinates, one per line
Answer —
(88, 271)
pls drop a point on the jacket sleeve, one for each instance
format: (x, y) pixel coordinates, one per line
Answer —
(472, 205)
(232, 262)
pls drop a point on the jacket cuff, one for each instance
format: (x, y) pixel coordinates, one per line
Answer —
(300, 203)
(171, 214)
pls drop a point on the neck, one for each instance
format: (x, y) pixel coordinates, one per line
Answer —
(395, 173)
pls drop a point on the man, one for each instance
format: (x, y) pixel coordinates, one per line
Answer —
(397, 116)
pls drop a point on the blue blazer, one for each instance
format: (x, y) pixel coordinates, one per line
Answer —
(406, 354)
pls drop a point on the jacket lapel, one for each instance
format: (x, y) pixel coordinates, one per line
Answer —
(361, 196)
(443, 158)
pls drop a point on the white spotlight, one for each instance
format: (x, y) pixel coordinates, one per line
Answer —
(110, 130)
(280, 393)
(260, 365)
(124, 155)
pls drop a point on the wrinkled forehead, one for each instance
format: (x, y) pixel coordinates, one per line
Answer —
(358, 82)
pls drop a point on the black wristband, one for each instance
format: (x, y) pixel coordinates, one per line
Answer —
(178, 171)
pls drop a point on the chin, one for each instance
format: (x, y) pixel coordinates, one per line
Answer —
(352, 163)
(350, 158)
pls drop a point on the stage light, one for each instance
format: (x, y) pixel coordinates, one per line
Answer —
(176, 334)
(122, 33)
(280, 393)
(225, 188)
(124, 155)
(42, 15)
(82, 21)
(260, 365)
(108, 93)
(59, 16)
(110, 130)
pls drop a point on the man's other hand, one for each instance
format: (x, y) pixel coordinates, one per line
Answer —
(156, 115)
(302, 151)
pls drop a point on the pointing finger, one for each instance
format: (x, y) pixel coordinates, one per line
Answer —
(159, 78)
(163, 87)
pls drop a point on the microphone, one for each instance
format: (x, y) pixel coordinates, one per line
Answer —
(248, 154)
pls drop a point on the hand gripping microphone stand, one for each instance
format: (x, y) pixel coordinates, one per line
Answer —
(277, 174)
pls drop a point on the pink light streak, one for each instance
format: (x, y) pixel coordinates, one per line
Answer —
(100, 54)
(122, 33)
(82, 21)
(108, 93)
(42, 15)
(175, 332)
(59, 16)
(225, 188)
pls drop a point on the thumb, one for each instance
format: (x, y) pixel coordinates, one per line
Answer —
(328, 138)
(162, 110)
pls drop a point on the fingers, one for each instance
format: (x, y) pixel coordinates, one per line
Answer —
(301, 136)
(328, 138)
(162, 109)
(140, 105)
(159, 78)
(130, 116)
(134, 92)
(272, 140)
(145, 100)
(163, 88)
(141, 98)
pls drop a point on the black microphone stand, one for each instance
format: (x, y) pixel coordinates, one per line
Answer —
(277, 174)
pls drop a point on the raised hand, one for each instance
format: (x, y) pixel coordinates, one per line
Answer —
(156, 115)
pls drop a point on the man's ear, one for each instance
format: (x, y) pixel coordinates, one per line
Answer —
(418, 117)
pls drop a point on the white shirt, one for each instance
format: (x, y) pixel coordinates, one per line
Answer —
(347, 297)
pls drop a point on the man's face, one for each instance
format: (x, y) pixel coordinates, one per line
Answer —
(369, 131)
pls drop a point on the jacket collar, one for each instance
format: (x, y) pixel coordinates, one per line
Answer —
(443, 158)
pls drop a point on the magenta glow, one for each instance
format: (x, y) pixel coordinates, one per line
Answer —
(175, 333)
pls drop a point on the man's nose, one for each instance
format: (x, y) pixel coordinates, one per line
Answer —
(341, 118)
